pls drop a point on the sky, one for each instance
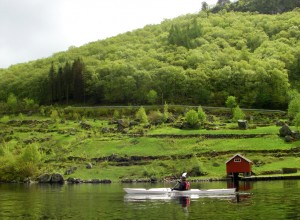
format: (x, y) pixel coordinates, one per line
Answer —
(34, 29)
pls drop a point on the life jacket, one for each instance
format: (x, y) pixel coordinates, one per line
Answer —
(187, 185)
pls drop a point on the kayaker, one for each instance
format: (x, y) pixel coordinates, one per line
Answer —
(183, 184)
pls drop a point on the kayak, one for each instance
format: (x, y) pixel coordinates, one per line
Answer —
(161, 191)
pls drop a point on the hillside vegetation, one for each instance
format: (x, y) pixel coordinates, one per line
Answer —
(120, 145)
(238, 59)
(193, 59)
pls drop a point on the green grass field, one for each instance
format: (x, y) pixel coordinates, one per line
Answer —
(67, 144)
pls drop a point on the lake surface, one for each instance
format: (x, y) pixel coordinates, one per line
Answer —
(260, 200)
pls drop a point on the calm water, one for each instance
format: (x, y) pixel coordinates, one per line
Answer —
(264, 200)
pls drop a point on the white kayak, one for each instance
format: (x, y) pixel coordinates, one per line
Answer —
(161, 191)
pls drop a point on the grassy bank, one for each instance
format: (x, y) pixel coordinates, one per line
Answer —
(161, 151)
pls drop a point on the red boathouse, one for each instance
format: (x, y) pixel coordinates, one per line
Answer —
(238, 164)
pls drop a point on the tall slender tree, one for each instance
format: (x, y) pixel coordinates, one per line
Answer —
(52, 87)
(78, 73)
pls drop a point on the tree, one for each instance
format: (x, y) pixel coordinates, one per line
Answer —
(152, 96)
(201, 115)
(166, 112)
(238, 114)
(54, 115)
(116, 114)
(68, 81)
(191, 118)
(29, 104)
(204, 6)
(141, 115)
(231, 102)
(297, 120)
(79, 84)
(27, 165)
(59, 84)
(223, 2)
(12, 102)
(52, 84)
(294, 107)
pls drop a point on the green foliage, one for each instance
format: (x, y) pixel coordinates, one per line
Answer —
(7, 168)
(297, 120)
(12, 102)
(184, 36)
(191, 117)
(166, 113)
(141, 115)
(5, 119)
(28, 163)
(197, 59)
(155, 117)
(238, 113)
(54, 115)
(116, 114)
(152, 96)
(29, 104)
(294, 107)
(201, 115)
(260, 6)
(231, 102)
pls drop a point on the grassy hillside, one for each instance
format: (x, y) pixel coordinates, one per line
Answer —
(38, 144)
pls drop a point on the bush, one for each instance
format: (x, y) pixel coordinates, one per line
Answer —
(238, 113)
(116, 114)
(191, 118)
(4, 119)
(289, 170)
(8, 171)
(141, 115)
(54, 115)
(155, 117)
(201, 115)
(31, 154)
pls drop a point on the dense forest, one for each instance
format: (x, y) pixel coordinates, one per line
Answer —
(198, 59)
(261, 6)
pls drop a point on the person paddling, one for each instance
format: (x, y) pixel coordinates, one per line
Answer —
(183, 184)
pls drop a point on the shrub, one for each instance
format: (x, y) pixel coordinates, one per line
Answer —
(4, 119)
(152, 96)
(54, 115)
(201, 115)
(294, 107)
(191, 118)
(116, 114)
(166, 112)
(12, 102)
(297, 120)
(141, 115)
(155, 117)
(238, 113)
(231, 102)
(31, 154)
(7, 166)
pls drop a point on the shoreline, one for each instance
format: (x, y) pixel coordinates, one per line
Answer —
(134, 181)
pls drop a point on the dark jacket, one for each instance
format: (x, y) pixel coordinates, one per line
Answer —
(183, 185)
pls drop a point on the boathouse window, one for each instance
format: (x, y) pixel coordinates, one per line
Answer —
(237, 160)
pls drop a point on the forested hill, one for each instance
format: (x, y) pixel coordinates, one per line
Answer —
(197, 59)
(260, 6)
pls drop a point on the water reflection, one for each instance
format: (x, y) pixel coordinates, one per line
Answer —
(266, 200)
(183, 201)
(241, 197)
(240, 185)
